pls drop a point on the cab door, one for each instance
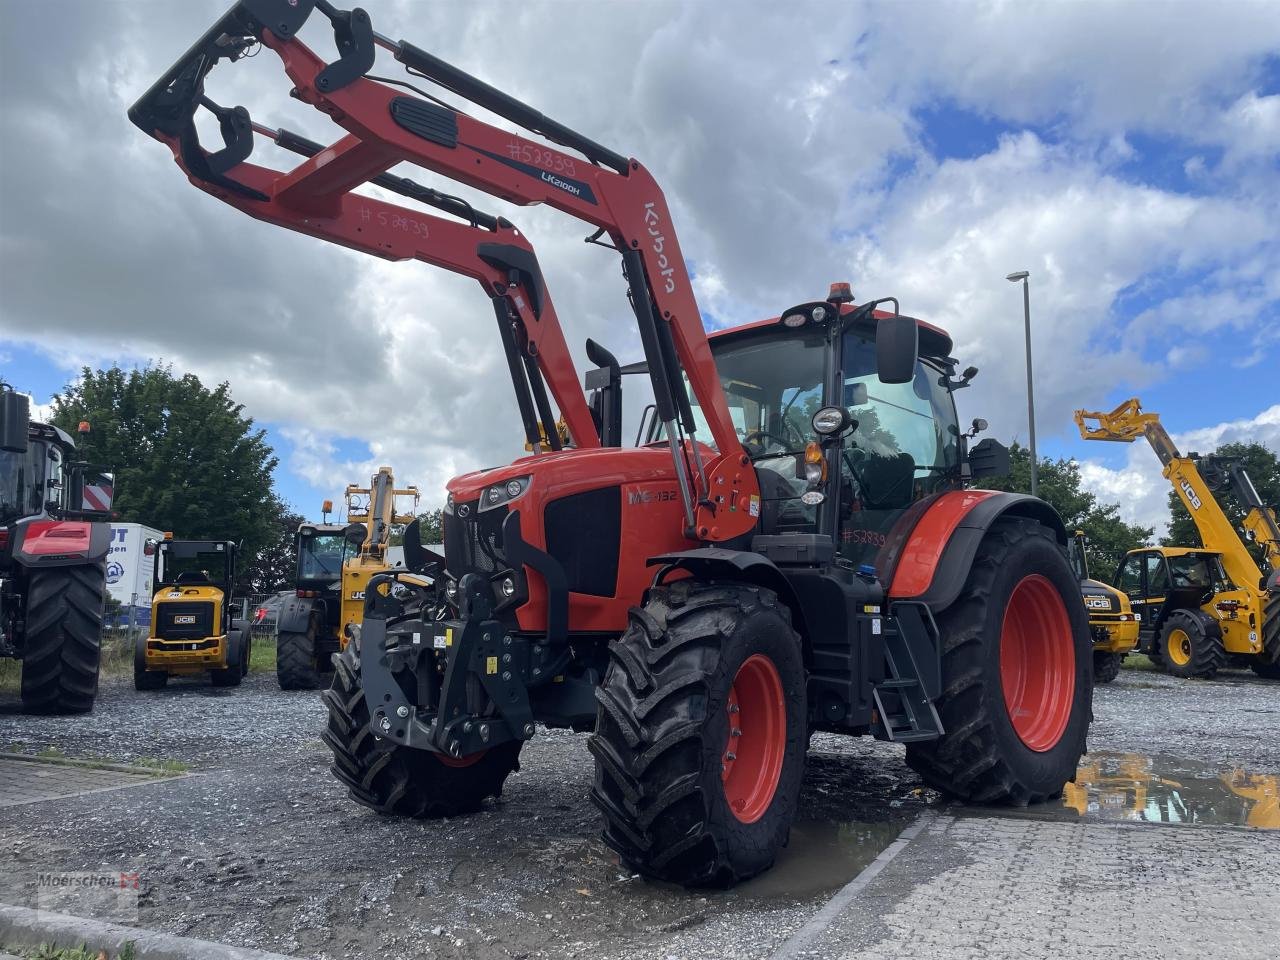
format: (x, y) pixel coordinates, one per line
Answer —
(1144, 579)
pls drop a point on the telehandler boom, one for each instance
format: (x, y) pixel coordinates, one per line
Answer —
(1199, 606)
(821, 562)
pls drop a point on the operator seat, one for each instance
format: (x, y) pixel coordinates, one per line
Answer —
(192, 576)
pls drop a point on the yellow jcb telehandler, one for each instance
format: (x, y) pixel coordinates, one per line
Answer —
(1201, 607)
(192, 629)
(334, 564)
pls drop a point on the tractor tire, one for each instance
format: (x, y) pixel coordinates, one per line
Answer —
(1267, 671)
(1268, 665)
(296, 667)
(1106, 666)
(1017, 674)
(233, 673)
(701, 734)
(1191, 646)
(246, 644)
(403, 781)
(63, 643)
(144, 679)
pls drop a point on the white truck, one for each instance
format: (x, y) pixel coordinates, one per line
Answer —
(129, 571)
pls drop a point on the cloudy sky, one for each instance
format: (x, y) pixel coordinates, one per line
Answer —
(1126, 154)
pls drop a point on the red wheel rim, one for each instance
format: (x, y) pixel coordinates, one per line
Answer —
(461, 761)
(752, 760)
(1037, 663)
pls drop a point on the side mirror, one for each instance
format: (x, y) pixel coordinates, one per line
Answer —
(15, 416)
(897, 346)
(355, 534)
(990, 458)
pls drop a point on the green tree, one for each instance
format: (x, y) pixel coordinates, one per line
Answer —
(430, 529)
(185, 457)
(1263, 467)
(1058, 482)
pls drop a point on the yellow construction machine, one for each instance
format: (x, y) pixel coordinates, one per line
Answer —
(1200, 608)
(192, 630)
(334, 564)
(1112, 622)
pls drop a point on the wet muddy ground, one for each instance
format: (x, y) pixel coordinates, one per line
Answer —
(259, 846)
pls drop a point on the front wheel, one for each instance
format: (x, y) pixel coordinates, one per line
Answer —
(403, 781)
(1017, 678)
(701, 734)
(296, 659)
(63, 639)
(1191, 646)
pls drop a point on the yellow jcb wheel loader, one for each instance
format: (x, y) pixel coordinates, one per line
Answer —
(192, 630)
(1112, 622)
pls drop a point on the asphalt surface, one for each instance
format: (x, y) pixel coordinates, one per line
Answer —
(260, 847)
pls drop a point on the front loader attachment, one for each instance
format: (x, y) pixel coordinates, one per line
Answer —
(386, 126)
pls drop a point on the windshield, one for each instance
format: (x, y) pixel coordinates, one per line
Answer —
(320, 556)
(1198, 570)
(22, 478)
(179, 563)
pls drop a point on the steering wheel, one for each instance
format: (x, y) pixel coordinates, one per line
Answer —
(766, 435)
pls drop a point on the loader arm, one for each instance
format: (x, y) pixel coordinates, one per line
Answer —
(1127, 423)
(380, 511)
(385, 126)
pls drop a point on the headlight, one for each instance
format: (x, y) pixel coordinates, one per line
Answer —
(451, 589)
(503, 493)
(830, 420)
(508, 587)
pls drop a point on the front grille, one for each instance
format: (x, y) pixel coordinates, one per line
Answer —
(583, 533)
(169, 617)
(473, 543)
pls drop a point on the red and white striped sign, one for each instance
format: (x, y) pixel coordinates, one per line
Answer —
(97, 495)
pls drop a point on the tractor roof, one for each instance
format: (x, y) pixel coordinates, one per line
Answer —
(934, 341)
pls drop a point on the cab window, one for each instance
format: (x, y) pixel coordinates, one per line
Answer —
(1130, 578)
(1157, 576)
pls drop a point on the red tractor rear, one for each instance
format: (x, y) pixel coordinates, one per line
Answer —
(792, 548)
(54, 536)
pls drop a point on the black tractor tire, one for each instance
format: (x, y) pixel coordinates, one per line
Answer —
(403, 781)
(246, 644)
(1206, 654)
(1267, 671)
(233, 672)
(296, 667)
(144, 679)
(696, 659)
(1106, 666)
(1268, 665)
(1005, 609)
(63, 641)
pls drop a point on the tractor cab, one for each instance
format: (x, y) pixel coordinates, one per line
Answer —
(192, 625)
(309, 628)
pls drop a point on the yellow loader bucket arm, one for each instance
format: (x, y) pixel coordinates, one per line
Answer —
(379, 509)
(1125, 424)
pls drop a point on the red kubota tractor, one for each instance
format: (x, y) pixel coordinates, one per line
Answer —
(792, 547)
(54, 537)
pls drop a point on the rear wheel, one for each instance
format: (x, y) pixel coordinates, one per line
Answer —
(1106, 666)
(63, 639)
(1017, 674)
(1268, 665)
(296, 659)
(701, 734)
(1191, 646)
(402, 780)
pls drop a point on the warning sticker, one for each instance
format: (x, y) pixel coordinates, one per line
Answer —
(754, 508)
(491, 665)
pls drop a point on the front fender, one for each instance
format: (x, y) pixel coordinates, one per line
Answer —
(295, 614)
(935, 560)
(742, 566)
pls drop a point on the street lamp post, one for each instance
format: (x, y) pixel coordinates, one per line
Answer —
(1031, 393)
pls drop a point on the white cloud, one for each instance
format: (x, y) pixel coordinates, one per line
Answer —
(779, 138)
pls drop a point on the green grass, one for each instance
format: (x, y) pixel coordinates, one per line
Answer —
(262, 655)
(48, 951)
(164, 768)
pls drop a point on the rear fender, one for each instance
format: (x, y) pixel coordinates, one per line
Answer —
(939, 551)
(296, 612)
(59, 543)
(744, 566)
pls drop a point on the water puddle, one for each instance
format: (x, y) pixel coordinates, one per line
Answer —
(821, 857)
(1157, 789)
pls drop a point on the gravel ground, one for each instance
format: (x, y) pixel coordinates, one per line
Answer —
(260, 846)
